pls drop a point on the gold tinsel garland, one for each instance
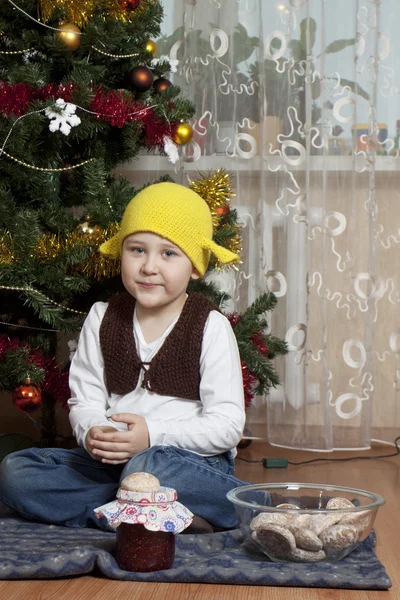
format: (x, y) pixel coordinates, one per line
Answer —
(50, 246)
(97, 266)
(6, 249)
(79, 12)
(215, 188)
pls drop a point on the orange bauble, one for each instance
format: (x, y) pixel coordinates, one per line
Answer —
(140, 79)
(161, 84)
(27, 397)
(129, 4)
(223, 211)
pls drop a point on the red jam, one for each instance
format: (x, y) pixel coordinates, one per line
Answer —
(141, 550)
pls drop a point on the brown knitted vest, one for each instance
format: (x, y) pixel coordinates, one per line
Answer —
(174, 370)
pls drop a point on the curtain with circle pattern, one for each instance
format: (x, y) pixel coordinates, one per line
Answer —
(299, 101)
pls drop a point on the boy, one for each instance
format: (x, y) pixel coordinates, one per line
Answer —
(156, 379)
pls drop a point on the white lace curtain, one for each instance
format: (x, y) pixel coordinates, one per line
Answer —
(299, 101)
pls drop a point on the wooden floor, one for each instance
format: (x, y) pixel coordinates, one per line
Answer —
(381, 476)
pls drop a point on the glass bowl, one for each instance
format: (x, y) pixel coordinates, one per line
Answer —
(305, 522)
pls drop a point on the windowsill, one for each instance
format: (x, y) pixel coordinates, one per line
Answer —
(359, 164)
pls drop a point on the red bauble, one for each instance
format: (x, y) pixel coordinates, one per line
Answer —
(129, 4)
(233, 318)
(27, 397)
(161, 84)
(140, 79)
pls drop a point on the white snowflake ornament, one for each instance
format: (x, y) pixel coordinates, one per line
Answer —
(173, 63)
(170, 149)
(33, 55)
(72, 346)
(64, 118)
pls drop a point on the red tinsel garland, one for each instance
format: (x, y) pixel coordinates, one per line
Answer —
(116, 107)
(249, 382)
(14, 98)
(55, 90)
(155, 130)
(55, 381)
(258, 339)
(112, 106)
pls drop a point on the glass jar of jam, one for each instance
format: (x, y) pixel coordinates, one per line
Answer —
(141, 550)
(146, 524)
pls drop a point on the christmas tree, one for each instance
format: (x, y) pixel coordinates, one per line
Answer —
(81, 90)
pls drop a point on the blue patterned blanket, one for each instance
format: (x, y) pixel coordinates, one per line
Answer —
(37, 551)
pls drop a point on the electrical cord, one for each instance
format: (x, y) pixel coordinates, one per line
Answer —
(384, 442)
(283, 462)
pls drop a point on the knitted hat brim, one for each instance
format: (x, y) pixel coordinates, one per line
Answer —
(225, 256)
(112, 249)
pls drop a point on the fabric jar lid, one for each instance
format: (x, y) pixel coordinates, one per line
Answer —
(156, 511)
(163, 495)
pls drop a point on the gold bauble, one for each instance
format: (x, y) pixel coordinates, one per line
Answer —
(151, 47)
(85, 227)
(70, 35)
(183, 133)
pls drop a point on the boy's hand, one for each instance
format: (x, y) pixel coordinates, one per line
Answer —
(91, 436)
(117, 447)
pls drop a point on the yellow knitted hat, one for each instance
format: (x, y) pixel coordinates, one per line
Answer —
(174, 212)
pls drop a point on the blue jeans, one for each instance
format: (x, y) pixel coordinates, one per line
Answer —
(60, 486)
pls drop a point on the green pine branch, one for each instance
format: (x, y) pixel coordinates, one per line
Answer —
(53, 315)
(260, 366)
(276, 346)
(35, 203)
(210, 291)
(15, 367)
(253, 320)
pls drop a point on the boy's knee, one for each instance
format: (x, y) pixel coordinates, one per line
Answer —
(7, 466)
(148, 461)
(12, 479)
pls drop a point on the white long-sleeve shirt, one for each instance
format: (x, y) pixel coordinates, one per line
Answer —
(208, 427)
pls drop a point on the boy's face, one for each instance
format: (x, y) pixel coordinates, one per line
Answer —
(155, 271)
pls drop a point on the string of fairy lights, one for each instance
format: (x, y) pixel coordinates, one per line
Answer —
(108, 54)
(141, 111)
(19, 326)
(82, 14)
(81, 11)
(46, 169)
(32, 290)
(70, 33)
(67, 32)
(214, 189)
(11, 52)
